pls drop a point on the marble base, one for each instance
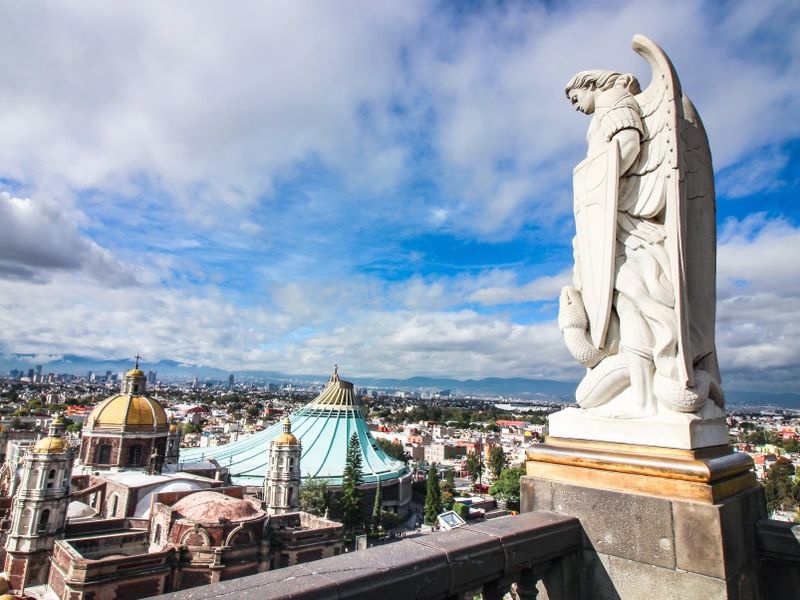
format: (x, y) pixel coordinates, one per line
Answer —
(686, 431)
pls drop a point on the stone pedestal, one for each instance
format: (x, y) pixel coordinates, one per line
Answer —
(658, 522)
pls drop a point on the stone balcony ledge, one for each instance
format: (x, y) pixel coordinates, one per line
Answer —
(487, 557)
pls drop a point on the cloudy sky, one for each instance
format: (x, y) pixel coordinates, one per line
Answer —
(383, 185)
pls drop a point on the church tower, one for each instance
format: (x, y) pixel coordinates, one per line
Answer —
(282, 483)
(39, 509)
(173, 445)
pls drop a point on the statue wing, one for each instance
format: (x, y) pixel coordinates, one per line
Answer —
(674, 171)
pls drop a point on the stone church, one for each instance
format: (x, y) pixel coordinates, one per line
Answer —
(116, 518)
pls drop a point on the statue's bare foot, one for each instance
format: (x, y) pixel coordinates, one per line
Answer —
(674, 396)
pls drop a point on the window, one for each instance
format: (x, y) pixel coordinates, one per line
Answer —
(103, 454)
(289, 496)
(112, 512)
(44, 520)
(157, 535)
(135, 456)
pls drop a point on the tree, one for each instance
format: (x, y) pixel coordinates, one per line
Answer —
(462, 510)
(473, 465)
(779, 487)
(433, 497)
(448, 490)
(497, 460)
(393, 449)
(314, 496)
(506, 487)
(352, 478)
(377, 510)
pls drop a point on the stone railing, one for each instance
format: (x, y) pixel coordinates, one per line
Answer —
(507, 554)
(779, 551)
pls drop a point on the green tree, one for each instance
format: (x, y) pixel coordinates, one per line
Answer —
(314, 496)
(352, 478)
(393, 449)
(506, 487)
(779, 487)
(433, 496)
(462, 510)
(448, 489)
(473, 466)
(497, 460)
(377, 510)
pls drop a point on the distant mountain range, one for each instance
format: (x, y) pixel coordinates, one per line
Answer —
(518, 387)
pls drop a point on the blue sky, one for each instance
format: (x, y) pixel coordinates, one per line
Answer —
(383, 185)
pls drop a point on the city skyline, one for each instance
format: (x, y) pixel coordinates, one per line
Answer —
(383, 186)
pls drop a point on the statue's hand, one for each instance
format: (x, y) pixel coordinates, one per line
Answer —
(571, 312)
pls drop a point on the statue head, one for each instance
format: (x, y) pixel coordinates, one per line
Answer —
(583, 88)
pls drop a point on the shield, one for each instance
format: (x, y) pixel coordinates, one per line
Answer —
(595, 183)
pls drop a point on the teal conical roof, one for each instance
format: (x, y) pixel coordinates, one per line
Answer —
(323, 427)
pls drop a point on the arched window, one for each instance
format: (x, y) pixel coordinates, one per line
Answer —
(44, 519)
(157, 534)
(135, 456)
(103, 454)
(51, 478)
(289, 494)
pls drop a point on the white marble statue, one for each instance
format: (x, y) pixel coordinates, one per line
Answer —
(640, 314)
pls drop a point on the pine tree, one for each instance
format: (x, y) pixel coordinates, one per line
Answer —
(433, 496)
(352, 478)
(377, 509)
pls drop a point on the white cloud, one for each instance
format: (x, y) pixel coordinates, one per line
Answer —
(542, 288)
(758, 309)
(214, 106)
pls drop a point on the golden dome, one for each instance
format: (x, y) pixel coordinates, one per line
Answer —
(50, 445)
(285, 439)
(128, 413)
(135, 373)
(173, 428)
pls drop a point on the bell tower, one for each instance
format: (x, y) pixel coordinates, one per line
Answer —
(39, 509)
(282, 483)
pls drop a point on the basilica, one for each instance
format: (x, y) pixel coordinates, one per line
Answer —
(120, 517)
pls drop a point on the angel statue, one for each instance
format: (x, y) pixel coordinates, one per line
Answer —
(640, 313)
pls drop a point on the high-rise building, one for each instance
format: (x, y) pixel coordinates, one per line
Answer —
(151, 377)
(230, 381)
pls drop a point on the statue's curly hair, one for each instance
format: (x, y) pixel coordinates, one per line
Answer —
(603, 80)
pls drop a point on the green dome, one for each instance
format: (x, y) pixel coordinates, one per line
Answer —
(324, 427)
